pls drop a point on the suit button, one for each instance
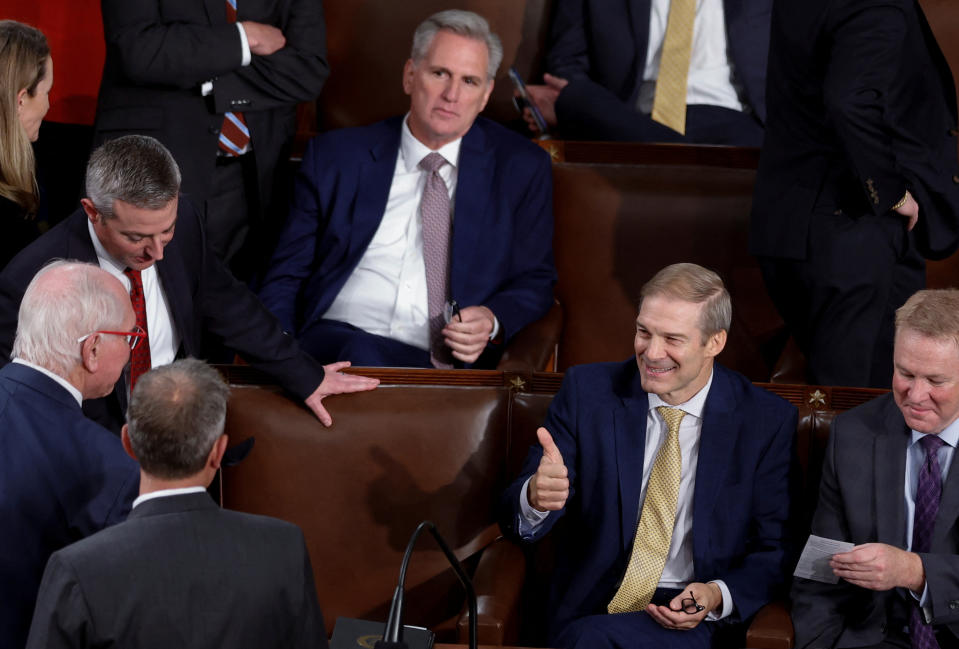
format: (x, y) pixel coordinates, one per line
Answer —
(213, 130)
(955, 179)
(954, 604)
(953, 132)
(882, 629)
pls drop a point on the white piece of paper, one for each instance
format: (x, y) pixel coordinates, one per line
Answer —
(814, 561)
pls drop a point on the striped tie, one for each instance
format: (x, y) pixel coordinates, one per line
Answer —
(234, 135)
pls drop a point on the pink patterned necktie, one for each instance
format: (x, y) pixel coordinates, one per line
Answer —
(435, 212)
(234, 135)
(928, 492)
(140, 362)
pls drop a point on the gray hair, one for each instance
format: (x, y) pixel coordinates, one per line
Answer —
(693, 283)
(64, 301)
(176, 414)
(135, 169)
(464, 23)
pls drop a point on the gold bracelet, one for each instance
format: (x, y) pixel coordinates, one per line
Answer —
(902, 201)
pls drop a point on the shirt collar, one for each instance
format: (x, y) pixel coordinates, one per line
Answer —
(69, 387)
(103, 256)
(693, 406)
(949, 434)
(163, 493)
(412, 150)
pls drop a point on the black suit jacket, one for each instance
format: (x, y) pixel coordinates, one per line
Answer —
(180, 572)
(159, 52)
(861, 500)
(861, 108)
(207, 305)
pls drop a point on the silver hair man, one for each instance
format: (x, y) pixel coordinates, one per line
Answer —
(65, 301)
(135, 169)
(176, 415)
(464, 23)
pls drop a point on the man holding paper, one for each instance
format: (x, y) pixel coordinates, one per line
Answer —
(888, 488)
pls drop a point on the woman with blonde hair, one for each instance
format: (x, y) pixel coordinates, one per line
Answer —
(26, 75)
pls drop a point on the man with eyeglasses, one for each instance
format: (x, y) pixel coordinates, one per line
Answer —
(62, 476)
(184, 298)
(673, 476)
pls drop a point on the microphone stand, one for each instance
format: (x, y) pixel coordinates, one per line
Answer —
(393, 634)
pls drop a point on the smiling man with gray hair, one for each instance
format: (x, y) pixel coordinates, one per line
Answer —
(372, 264)
(179, 557)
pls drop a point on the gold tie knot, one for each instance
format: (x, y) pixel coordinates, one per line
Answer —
(672, 417)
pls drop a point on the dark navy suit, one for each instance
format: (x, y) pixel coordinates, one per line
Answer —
(207, 305)
(741, 505)
(501, 254)
(600, 47)
(62, 477)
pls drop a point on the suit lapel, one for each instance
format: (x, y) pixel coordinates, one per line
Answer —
(890, 470)
(629, 437)
(639, 13)
(722, 424)
(176, 284)
(373, 191)
(216, 11)
(474, 178)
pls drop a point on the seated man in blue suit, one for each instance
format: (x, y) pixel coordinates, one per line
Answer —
(619, 72)
(62, 476)
(675, 475)
(421, 240)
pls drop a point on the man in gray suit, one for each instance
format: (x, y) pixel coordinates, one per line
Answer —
(180, 572)
(887, 486)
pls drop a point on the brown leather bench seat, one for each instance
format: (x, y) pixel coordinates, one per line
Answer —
(438, 445)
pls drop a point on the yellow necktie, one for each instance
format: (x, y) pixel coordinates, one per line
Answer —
(655, 529)
(669, 103)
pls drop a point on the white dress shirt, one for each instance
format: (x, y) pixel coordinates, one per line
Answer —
(161, 331)
(678, 570)
(710, 70)
(69, 387)
(386, 293)
(163, 493)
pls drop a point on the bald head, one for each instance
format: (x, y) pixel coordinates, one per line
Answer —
(65, 301)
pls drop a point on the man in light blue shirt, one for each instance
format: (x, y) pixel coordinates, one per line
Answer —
(887, 487)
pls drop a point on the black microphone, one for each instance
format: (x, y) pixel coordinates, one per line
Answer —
(393, 634)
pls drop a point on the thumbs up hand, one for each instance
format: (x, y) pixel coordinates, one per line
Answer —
(549, 486)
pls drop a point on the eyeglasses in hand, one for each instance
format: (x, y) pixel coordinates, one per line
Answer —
(689, 605)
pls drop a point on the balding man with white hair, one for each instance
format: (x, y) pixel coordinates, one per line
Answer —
(62, 476)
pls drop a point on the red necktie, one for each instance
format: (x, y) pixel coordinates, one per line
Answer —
(140, 356)
(234, 135)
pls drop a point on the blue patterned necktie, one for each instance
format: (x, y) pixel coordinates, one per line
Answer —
(928, 492)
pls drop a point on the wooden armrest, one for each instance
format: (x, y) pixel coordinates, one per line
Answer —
(772, 628)
(498, 582)
(533, 348)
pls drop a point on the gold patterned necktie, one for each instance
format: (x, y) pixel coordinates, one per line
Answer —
(669, 102)
(655, 529)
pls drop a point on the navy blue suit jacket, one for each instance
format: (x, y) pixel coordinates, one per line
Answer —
(207, 304)
(742, 504)
(62, 477)
(600, 47)
(502, 240)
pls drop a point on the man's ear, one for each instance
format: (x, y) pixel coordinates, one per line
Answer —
(408, 71)
(90, 353)
(216, 453)
(716, 343)
(90, 210)
(125, 440)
